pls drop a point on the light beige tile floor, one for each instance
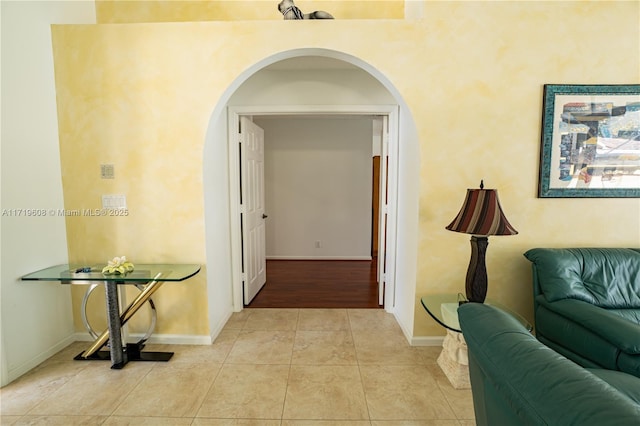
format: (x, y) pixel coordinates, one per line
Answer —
(280, 367)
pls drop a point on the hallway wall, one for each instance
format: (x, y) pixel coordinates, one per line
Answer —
(318, 186)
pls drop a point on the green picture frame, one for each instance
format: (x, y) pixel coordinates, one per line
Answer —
(590, 141)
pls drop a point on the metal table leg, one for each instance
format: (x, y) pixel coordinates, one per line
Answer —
(118, 357)
(95, 335)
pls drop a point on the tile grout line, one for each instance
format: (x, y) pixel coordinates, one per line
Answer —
(364, 391)
(222, 365)
(293, 345)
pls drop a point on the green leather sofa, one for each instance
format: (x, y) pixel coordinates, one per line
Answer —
(516, 380)
(587, 305)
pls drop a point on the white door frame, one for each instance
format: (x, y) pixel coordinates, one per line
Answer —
(234, 113)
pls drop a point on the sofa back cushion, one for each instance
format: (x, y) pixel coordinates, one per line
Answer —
(605, 277)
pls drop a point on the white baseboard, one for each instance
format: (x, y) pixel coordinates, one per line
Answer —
(319, 258)
(427, 341)
(405, 331)
(420, 340)
(220, 327)
(168, 339)
(14, 373)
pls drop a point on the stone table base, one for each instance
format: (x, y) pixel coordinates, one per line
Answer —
(454, 360)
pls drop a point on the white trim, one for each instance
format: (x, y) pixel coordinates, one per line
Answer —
(420, 340)
(215, 333)
(233, 117)
(407, 333)
(427, 341)
(167, 339)
(319, 258)
(314, 110)
(391, 239)
(14, 373)
(235, 210)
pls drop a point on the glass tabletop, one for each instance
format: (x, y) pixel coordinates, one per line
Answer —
(444, 309)
(143, 273)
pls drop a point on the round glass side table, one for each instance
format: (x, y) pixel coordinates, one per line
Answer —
(454, 360)
(444, 309)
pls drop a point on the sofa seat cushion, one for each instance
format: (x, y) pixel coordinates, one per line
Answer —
(625, 383)
(602, 338)
(569, 338)
(605, 277)
(632, 315)
(619, 330)
(629, 364)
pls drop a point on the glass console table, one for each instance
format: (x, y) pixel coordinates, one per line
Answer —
(147, 277)
(454, 360)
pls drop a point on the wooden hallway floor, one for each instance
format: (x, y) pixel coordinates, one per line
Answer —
(319, 284)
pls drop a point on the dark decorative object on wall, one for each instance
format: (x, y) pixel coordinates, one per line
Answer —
(291, 11)
(590, 141)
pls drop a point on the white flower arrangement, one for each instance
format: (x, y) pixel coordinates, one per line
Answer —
(118, 265)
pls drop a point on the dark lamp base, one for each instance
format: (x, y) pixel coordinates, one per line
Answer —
(476, 284)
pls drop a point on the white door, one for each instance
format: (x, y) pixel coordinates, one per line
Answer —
(252, 210)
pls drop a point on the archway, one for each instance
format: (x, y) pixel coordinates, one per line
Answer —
(222, 262)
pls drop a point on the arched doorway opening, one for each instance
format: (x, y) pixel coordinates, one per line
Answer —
(224, 260)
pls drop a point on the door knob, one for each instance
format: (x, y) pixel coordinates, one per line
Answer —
(264, 216)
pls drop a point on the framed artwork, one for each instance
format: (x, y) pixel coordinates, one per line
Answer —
(590, 141)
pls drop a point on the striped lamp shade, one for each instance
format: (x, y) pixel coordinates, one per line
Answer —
(481, 214)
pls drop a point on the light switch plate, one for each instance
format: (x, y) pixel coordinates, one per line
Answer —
(114, 202)
(107, 171)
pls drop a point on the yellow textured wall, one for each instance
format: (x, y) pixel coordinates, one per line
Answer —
(119, 11)
(140, 96)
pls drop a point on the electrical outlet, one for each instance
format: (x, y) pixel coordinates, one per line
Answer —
(318, 244)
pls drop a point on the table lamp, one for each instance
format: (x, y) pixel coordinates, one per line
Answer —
(480, 216)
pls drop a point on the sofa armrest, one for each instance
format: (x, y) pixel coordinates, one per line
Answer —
(515, 377)
(620, 332)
